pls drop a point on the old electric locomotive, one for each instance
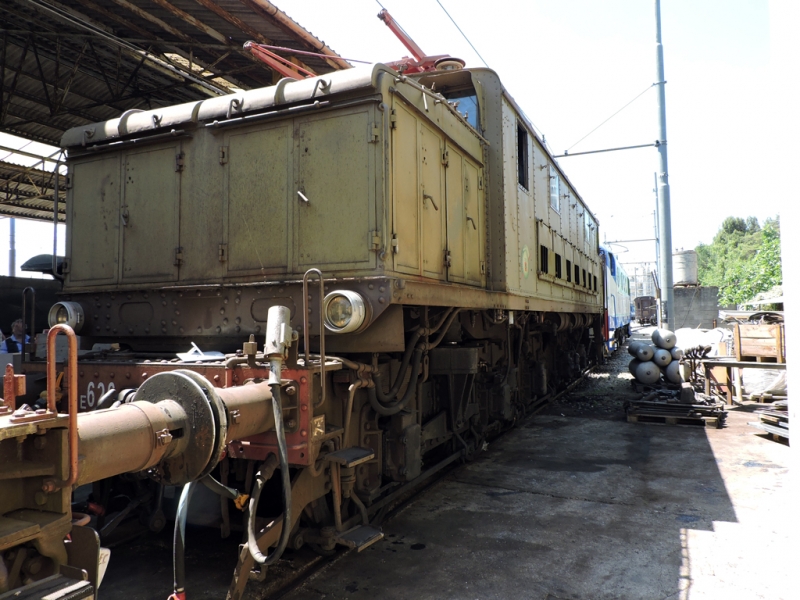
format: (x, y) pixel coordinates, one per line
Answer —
(366, 274)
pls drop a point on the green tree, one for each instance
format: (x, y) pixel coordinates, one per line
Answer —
(743, 260)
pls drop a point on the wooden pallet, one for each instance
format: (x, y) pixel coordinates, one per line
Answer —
(715, 422)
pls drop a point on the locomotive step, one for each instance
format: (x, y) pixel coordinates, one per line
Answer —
(350, 457)
(360, 537)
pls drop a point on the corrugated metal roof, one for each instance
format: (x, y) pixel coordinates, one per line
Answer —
(74, 62)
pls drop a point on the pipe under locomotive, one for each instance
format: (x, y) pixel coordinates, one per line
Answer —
(376, 273)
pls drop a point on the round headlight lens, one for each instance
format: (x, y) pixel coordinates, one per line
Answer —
(66, 313)
(344, 311)
(340, 312)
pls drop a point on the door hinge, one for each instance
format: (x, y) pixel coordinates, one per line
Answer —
(447, 258)
(483, 267)
(395, 244)
(179, 161)
(223, 155)
(480, 183)
(446, 158)
(69, 182)
(223, 252)
(178, 257)
(376, 240)
(393, 119)
(65, 267)
(375, 134)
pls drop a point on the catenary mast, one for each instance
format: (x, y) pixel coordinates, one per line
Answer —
(664, 218)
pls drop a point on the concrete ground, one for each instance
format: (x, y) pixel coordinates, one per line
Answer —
(589, 507)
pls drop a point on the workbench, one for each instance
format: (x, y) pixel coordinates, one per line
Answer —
(733, 384)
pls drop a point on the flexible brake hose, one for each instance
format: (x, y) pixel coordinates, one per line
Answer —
(258, 485)
(179, 543)
(446, 319)
(401, 374)
(395, 408)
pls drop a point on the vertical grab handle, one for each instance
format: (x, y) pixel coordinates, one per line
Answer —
(306, 333)
(72, 372)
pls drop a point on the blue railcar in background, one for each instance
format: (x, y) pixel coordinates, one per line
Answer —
(617, 322)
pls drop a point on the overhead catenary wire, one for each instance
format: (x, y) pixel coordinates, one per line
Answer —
(639, 95)
(462, 33)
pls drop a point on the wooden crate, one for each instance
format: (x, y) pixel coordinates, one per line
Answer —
(758, 342)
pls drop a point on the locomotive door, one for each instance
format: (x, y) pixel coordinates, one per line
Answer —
(335, 192)
(259, 169)
(418, 196)
(406, 192)
(465, 218)
(93, 203)
(433, 205)
(149, 215)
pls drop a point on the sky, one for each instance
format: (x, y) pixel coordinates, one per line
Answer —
(570, 64)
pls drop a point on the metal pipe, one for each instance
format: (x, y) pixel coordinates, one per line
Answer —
(337, 495)
(249, 408)
(72, 374)
(32, 349)
(54, 264)
(12, 247)
(307, 334)
(126, 439)
(664, 218)
(567, 154)
(273, 11)
(349, 409)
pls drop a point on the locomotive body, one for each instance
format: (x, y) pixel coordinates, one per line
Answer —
(440, 276)
(363, 174)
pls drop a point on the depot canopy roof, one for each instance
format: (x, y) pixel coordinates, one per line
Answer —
(73, 62)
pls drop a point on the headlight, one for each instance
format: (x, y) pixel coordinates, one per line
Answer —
(66, 313)
(344, 311)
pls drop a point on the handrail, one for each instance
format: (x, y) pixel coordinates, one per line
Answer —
(307, 335)
(72, 373)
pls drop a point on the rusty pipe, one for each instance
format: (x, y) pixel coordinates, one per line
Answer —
(249, 409)
(138, 436)
(130, 438)
(351, 392)
(72, 374)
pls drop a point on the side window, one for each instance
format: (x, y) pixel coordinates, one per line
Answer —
(555, 188)
(522, 156)
(543, 259)
(577, 275)
(558, 266)
(569, 270)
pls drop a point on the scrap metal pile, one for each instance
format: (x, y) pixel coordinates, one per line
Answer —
(677, 407)
(668, 398)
